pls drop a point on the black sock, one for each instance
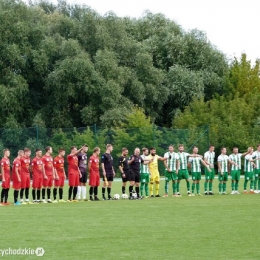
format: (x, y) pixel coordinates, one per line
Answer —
(43, 193)
(27, 193)
(95, 191)
(21, 193)
(38, 194)
(130, 190)
(70, 192)
(48, 193)
(123, 189)
(108, 191)
(90, 192)
(33, 195)
(6, 194)
(75, 191)
(16, 192)
(60, 193)
(54, 193)
(103, 191)
(2, 195)
(137, 191)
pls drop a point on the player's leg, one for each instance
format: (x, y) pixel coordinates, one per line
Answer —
(124, 181)
(237, 182)
(45, 184)
(157, 184)
(206, 183)
(211, 179)
(193, 176)
(198, 178)
(233, 182)
(142, 179)
(151, 183)
(97, 183)
(34, 195)
(220, 185)
(70, 179)
(146, 184)
(258, 183)
(7, 187)
(131, 187)
(225, 179)
(16, 194)
(110, 181)
(91, 191)
(49, 186)
(38, 195)
(252, 180)
(186, 176)
(245, 182)
(104, 188)
(166, 184)
(137, 184)
(180, 173)
(84, 187)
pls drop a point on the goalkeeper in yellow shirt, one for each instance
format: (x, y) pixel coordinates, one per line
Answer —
(153, 169)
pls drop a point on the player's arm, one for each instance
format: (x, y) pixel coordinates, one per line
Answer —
(80, 175)
(3, 171)
(121, 169)
(219, 167)
(78, 151)
(43, 172)
(233, 163)
(132, 158)
(103, 167)
(89, 165)
(55, 171)
(206, 165)
(161, 158)
(17, 172)
(114, 174)
(177, 166)
(166, 166)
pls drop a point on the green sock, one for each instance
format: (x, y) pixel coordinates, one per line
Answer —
(188, 185)
(224, 187)
(146, 189)
(206, 186)
(245, 184)
(233, 185)
(251, 184)
(258, 184)
(173, 188)
(255, 183)
(178, 187)
(142, 189)
(236, 186)
(220, 187)
(210, 186)
(198, 188)
(192, 187)
(166, 187)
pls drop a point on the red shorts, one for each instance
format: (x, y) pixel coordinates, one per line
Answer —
(6, 183)
(73, 179)
(25, 181)
(48, 182)
(94, 179)
(16, 183)
(37, 181)
(59, 182)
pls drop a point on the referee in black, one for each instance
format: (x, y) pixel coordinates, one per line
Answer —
(124, 168)
(134, 176)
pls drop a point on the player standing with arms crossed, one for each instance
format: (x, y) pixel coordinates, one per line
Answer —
(94, 178)
(16, 175)
(195, 164)
(108, 171)
(82, 161)
(124, 168)
(209, 157)
(25, 176)
(6, 178)
(73, 173)
(144, 174)
(38, 176)
(172, 165)
(58, 165)
(49, 171)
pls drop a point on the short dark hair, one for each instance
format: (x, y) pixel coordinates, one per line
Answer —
(47, 148)
(171, 145)
(26, 149)
(124, 149)
(211, 145)
(144, 149)
(96, 149)
(152, 148)
(37, 150)
(72, 147)
(61, 150)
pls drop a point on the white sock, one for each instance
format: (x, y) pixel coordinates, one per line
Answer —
(79, 192)
(84, 192)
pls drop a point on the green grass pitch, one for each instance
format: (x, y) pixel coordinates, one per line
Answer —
(208, 227)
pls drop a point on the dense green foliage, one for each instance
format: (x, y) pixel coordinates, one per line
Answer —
(69, 66)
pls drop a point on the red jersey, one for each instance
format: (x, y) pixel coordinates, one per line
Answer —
(25, 165)
(73, 164)
(5, 162)
(48, 164)
(94, 160)
(16, 165)
(59, 165)
(37, 166)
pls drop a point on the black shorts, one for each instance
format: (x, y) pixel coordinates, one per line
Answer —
(84, 177)
(134, 176)
(109, 178)
(127, 174)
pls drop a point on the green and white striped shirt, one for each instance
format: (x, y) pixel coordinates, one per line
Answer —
(236, 158)
(144, 167)
(172, 159)
(248, 167)
(209, 157)
(183, 157)
(256, 155)
(195, 164)
(223, 159)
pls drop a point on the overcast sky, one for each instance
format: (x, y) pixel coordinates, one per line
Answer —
(233, 26)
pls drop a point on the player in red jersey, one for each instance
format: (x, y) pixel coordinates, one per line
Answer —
(25, 176)
(5, 168)
(16, 176)
(49, 171)
(60, 175)
(38, 176)
(73, 172)
(94, 178)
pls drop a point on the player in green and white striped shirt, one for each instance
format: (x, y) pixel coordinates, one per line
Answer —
(223, 161)
(209, 157)
(256, 156)
(235, 169)
(172, 165)
(249, 170)
(144, 174)
(195, 165)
